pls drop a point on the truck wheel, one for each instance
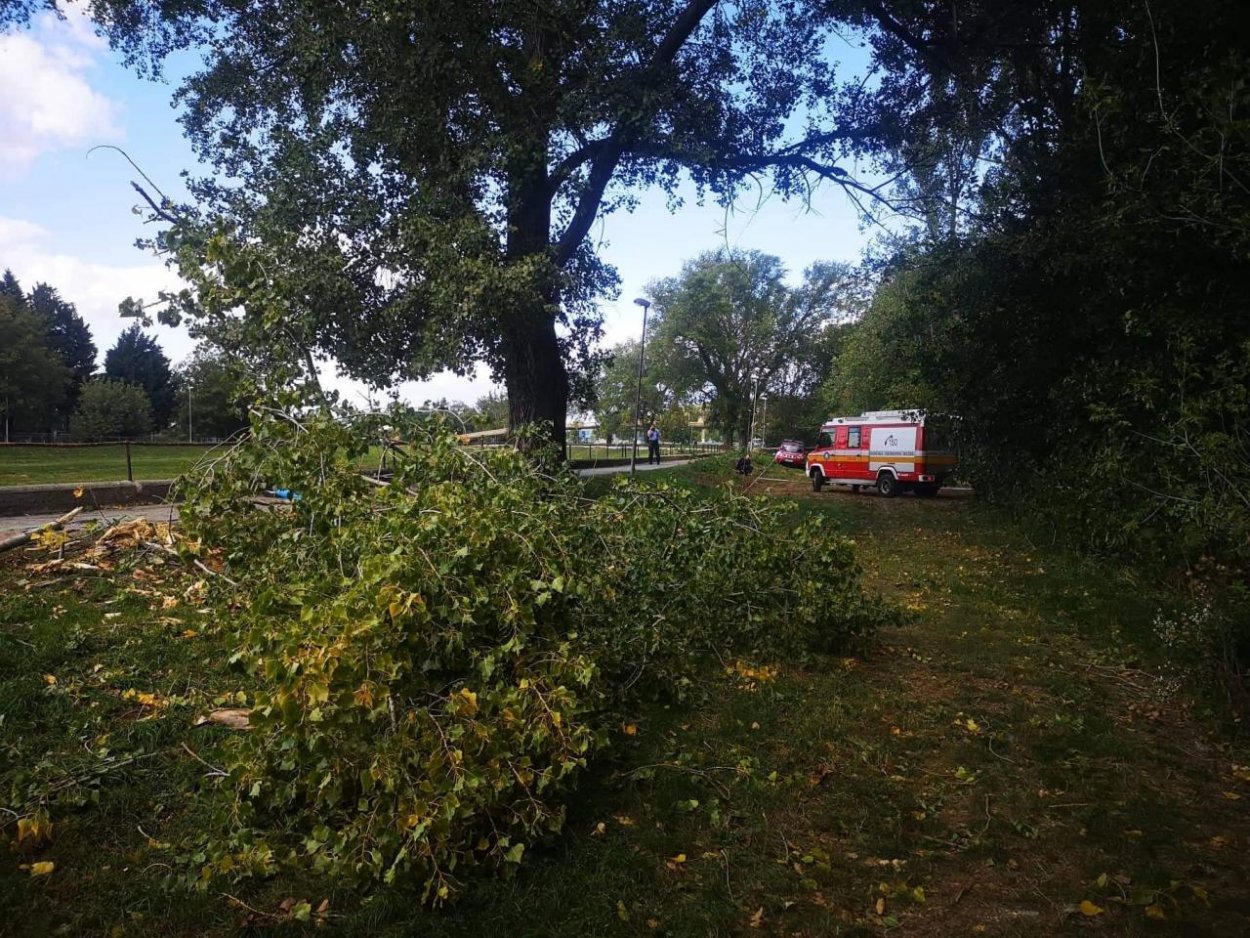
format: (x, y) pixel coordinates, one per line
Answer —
(818, 480)
(887, 485)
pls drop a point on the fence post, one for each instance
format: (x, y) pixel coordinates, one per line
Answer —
(130, 473)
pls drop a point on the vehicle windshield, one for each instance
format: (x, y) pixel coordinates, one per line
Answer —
(791, 446)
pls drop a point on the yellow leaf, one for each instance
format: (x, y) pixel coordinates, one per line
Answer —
(36, 828)
(680, 858)
(1155, 911)
(469, 701)
(600, 830)
(629, 729)
(49, 679)
(1088, 909)
(624, 820)
(880, 906)
(42, 868)
(78, 492)
(757, 919)
(971, 724)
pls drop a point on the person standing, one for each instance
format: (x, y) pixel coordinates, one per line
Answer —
(653, 445)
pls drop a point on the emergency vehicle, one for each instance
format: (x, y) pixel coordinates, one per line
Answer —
(895, 450)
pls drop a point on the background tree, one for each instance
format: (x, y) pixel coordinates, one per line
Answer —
(212, 395)
(490, 411)
(414, 190)
(616, 392)
(729, 327)
(109, 409)
(68, 335)
(33, 379)
(137, 359)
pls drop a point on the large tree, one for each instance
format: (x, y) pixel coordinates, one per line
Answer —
(68, 335)
(730, 327)
(617, 394)
(33, 379)
(212, 394)
(411, 186)
(137, 359)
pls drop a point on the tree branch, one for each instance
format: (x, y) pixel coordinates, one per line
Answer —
(609, 155)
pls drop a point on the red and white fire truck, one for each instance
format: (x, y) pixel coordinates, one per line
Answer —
(895, 450)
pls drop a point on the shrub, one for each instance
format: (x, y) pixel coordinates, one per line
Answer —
(437, 659)
(110, 409)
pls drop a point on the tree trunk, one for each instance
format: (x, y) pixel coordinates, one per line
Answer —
(535, 377)
(534, 373)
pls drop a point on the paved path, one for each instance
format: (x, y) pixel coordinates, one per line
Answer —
(642, 467)
(18, 523)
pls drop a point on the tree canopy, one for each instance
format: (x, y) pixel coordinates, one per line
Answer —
(730, 328)
(137, 359)
(212, 394)
(412, 188)
(110, 409)
(33, 379)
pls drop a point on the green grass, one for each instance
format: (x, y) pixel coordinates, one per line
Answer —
(37, 465)
(798, 803)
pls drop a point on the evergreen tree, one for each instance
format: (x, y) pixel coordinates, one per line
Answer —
(10, 288)
(138, 359)
(32, 377)
(68, 335)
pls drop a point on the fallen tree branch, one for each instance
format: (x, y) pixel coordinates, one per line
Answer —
(17, 540)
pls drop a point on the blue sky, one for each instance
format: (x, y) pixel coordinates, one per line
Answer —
(66, 218)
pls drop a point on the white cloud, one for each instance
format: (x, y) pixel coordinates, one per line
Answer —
(47, 103)
(94, 288)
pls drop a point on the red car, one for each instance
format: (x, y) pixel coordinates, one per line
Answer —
(791, 453)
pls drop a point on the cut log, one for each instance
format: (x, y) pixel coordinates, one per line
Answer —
(17, 540)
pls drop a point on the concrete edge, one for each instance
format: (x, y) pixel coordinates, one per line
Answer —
(46, 498)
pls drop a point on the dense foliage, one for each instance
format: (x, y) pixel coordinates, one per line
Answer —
(33, 380)
(437, 660)
(730, 329)
(48, 355)
(212, 395)
(1081, 298)
(136, 358)
(108, 410)
(424, 177)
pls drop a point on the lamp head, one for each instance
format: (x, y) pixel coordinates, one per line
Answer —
(643, 303)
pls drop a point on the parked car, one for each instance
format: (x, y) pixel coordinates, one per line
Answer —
(791, 453)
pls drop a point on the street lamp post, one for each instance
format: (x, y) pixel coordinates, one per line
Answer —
(642, 351)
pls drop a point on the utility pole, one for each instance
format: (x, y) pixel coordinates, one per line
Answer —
(642, 351)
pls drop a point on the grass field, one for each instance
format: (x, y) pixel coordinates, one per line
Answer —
(1012, 761)
(36, 465)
